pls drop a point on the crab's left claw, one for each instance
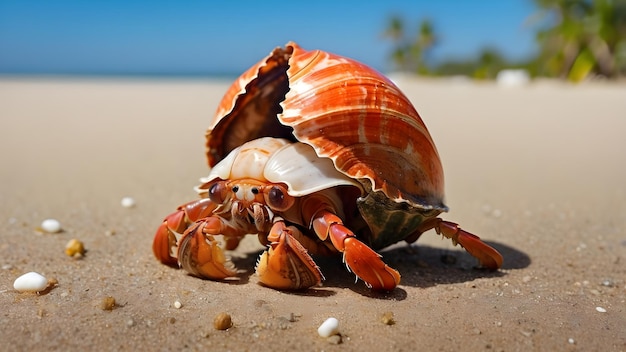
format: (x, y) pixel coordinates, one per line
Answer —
(488, 256)
(286, 265)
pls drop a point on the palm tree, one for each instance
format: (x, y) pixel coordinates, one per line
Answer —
(395, 32)
(423, 43)
(588, 37)
(409, 53)
(489, 63)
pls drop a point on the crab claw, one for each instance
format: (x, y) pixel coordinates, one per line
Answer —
(166, 237)
(359, 258)
(487, 256)
(199, 253)
(286, 265)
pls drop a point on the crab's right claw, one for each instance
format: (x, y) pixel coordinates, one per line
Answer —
(165, 241)
(165, 244)
(286, 264)
(199, 253)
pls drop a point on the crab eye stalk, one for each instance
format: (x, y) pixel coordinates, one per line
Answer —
(218, 192)
(277, 198)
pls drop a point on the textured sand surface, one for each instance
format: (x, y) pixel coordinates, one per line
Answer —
(537, 171)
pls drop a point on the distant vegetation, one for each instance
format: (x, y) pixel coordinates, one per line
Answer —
(576, 39)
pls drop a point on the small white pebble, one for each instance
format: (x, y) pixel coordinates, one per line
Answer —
(607, 283)
(571, 341)
(177, 304)
(601, 310)
(31, 282)
(51, 225)
(128, 202)
(329, 327)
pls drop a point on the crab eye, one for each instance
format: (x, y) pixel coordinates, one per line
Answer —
(277, 198)
(218, 192)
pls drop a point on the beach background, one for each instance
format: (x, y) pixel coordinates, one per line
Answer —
(537, 170)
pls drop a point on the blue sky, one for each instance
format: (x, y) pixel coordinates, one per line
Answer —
(57, 36)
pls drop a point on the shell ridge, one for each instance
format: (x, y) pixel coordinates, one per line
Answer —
(268, 81)
(352, 115)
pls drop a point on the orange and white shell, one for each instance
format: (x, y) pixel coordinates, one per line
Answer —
(350, 114)
(345, 110)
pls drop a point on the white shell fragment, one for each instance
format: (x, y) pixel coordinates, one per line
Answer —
(177, 305)
(51, 225)
(128, 202)
(329, 327)
(31, 282)
(601, 310)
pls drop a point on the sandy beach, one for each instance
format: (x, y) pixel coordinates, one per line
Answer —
(537, 171)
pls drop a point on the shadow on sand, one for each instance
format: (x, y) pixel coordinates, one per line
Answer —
(420, 266)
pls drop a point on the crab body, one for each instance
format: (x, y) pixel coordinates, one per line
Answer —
(291, 198)
(355, 161)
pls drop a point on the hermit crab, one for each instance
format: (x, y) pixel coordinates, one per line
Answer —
(316, 154)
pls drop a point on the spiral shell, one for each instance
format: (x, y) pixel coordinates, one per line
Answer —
(347, 112)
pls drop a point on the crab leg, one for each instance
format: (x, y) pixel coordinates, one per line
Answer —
(359, 258)
(286, 264)
(487, 256)
(363, 261)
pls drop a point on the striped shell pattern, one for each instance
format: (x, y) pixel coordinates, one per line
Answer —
(348, 113)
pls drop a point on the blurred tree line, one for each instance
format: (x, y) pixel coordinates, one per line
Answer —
(576, 39)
